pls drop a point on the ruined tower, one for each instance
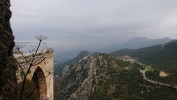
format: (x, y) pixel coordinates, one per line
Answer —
(42, 74)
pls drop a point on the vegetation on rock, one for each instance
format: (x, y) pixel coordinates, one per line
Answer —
(110, 78)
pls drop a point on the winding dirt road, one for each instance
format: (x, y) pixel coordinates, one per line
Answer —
(155, 82)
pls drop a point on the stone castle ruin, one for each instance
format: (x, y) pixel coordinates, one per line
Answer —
(41, 73)
(8, 67)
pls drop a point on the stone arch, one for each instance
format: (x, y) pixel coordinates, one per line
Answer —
(40, 81)
(42, 71)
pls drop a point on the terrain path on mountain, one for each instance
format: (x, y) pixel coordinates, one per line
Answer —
(155, 82)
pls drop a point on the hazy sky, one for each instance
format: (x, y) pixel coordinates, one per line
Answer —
(92, 23)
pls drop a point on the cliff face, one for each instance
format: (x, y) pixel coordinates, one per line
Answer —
(76, 81)
(7, 63)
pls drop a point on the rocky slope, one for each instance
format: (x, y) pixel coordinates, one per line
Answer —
(105, 77)
(79, 56)
(8, 68)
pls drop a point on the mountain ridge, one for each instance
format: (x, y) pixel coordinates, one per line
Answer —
(106, 77)
(102, 76)
(135, 43)
(153, 55)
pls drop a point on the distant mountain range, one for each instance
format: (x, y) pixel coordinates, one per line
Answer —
(66, 58)
(135, 43)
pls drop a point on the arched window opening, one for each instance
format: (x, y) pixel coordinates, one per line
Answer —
(39, 81)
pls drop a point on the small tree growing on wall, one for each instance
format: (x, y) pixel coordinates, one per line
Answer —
(26, 87)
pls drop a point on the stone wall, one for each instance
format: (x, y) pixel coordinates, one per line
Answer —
(7, 63)
(47, 69)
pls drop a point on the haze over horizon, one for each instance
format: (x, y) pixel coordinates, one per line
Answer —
(82, 24)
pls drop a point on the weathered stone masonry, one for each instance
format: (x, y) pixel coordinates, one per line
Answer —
(7, 63)
(43, 72)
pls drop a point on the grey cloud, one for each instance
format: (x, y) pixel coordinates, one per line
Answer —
(93, 23)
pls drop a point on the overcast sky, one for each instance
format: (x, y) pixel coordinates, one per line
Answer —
(88, 24)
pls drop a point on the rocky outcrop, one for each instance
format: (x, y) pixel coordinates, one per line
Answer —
(79, 81)
(84, 90)
(105, 77)
(7, 62)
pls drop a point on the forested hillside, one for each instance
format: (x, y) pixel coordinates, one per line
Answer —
(164, 56)
(105, 77)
